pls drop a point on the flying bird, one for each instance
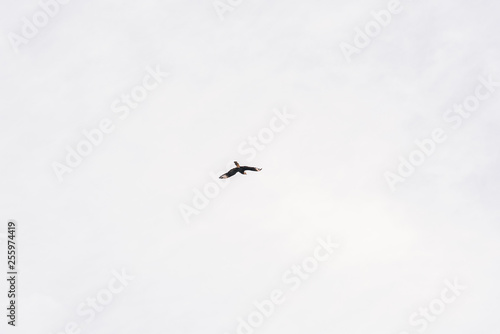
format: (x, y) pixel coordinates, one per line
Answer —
(240, 169)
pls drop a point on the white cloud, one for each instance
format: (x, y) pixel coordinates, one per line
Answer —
(322, 175)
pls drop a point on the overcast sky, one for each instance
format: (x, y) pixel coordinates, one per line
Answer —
(172, 92)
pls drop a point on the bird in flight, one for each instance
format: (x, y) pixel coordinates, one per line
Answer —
(240, 169)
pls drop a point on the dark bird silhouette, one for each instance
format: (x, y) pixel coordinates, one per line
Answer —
(240, 169)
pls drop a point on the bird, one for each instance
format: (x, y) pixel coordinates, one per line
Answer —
(240, 169)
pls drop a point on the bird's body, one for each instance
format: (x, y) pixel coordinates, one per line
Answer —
(239, 169)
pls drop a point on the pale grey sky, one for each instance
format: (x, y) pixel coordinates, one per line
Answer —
(123, 207)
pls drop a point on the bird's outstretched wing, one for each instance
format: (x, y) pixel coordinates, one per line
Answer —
(229, 174)
(255, 169)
